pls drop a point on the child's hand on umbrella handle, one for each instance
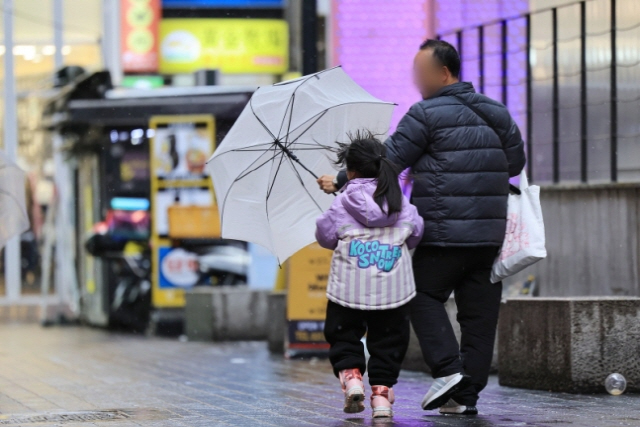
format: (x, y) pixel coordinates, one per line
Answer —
(327, 184)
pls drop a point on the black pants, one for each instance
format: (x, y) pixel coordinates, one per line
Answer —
(387, 340)
(465, 271)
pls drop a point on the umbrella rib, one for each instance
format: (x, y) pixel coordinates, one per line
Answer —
(341, 105)
(258, 119)
(302, 183)
(293, 100)
(226, 196)
(246, 172)
(289, 107)
(273, 182)
(321, 115)
(266, 202)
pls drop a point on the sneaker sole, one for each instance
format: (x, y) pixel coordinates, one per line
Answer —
(354, 401)
(382, 413)
(457, 410)
(443, 395)
(464, 413)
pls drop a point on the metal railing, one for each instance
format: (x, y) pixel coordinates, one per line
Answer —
(479, 32)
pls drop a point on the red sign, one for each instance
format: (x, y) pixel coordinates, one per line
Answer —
(139, 35)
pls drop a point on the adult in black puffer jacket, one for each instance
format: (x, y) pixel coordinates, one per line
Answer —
(461, 166)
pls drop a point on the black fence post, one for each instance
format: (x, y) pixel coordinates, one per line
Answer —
(614, 95)
(556, 99)
(529, 100)
(459, 38)
(584, 174)
(481, 57)
(505, 58)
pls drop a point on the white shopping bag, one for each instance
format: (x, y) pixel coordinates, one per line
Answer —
(524, 243)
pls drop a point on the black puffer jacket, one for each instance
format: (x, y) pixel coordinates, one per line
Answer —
(460, 165)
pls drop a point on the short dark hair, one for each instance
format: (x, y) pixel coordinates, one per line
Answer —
(445, 53)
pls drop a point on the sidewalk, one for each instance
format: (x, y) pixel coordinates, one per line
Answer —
(80, 377)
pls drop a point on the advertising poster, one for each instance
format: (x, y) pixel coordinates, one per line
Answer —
(179, 150)
(307, 275)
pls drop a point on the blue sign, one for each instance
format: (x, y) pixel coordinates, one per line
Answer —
(253, 4)
(178, 269)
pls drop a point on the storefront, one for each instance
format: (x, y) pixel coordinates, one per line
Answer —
(136, 160)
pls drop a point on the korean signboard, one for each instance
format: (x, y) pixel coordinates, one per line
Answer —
(229, 45)
(139, 35)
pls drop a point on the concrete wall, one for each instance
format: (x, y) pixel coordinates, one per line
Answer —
(593, 241)
(226, 313)
(569, 344)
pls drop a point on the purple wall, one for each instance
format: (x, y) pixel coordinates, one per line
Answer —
(375, 41)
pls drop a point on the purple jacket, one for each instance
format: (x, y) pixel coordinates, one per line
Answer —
(371, 266)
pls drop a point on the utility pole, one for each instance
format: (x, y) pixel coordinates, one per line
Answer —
(58, 42)
(12, 249)
(111, 39)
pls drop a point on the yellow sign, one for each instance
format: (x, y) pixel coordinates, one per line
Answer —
(230, 45)
(308, 273)
(179, 148)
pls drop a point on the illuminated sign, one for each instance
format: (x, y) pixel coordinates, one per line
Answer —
(254, 4)
(233, 46)
(139, 37)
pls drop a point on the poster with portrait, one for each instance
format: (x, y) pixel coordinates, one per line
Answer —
(179, 150)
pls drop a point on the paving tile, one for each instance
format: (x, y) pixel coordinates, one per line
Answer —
(162, 382)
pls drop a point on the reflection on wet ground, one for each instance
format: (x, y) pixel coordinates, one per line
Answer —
(80, 373)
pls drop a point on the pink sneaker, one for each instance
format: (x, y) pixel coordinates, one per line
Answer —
(353, 388)
(382, 399)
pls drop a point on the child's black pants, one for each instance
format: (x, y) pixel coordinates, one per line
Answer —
(387, 340)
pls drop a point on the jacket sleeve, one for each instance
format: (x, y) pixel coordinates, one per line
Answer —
(409, 141)
(326, 230)
(418, 225)
(514, 148)
(341, 178)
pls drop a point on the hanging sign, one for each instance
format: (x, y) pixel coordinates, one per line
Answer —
(139, 35)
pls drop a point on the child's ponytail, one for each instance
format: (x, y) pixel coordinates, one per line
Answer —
(388, 186)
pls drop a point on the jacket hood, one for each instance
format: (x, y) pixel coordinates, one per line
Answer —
(358, 201)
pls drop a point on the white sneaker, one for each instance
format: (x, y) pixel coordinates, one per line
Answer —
(442, 389)
(454, 408)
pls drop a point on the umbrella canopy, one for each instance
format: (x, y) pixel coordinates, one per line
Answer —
(265, 169)
(13, 210)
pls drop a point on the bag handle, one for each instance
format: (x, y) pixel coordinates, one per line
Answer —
(524, 182)
(480, 114)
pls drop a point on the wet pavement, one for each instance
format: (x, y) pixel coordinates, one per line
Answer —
(80, 377)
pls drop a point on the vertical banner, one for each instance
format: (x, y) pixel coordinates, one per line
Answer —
(307, 276)
(179, 150)
(139, 37)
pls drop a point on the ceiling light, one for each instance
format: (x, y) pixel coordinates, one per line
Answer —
(49, 50)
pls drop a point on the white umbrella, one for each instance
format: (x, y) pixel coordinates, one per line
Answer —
(265, 169)
(13, 206)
